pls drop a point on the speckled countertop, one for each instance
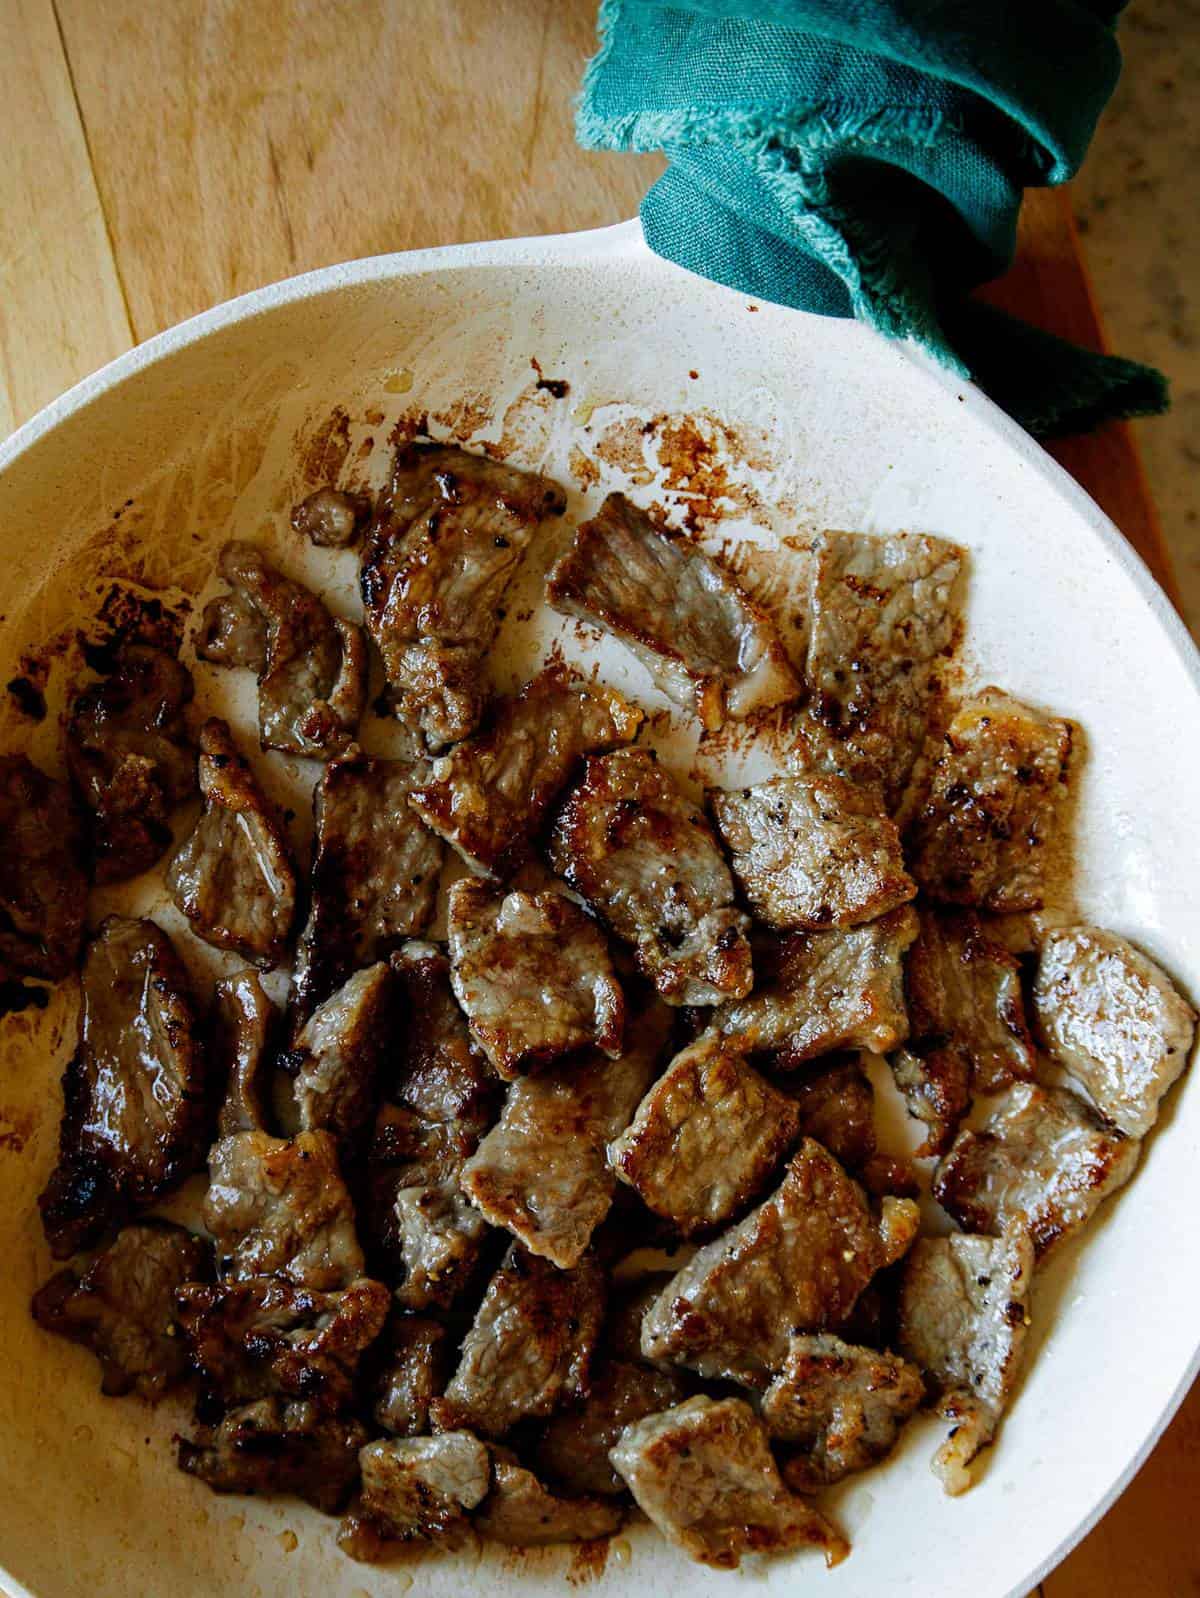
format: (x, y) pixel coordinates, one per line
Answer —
(1138, 204)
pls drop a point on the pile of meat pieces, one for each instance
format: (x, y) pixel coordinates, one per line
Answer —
(422, 1175)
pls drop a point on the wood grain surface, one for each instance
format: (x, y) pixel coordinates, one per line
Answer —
(157, 159)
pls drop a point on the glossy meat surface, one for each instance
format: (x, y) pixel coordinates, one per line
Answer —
(813, 852)
(997, 790)
(704, 1475)
(1042, 1158)
(522, 1512)
(123, 1308)
(448, 534)
(820, 991)
(704, 641)
(332, 518)
(533, 976)
(275, 1446)
(131, 759)
(707, 1137)
(311, 666)
(374, 874)
(136, 1094)
(411, 1376)
(1115, 1020)
(243, 1024)
(234, 877)
(491, 795)
(628, 841)
(43, 873)
(415, 1489)
(338, 1052)
(574, 1447)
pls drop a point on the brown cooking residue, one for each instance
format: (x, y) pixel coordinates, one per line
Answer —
(28, 690)
(582, 468)
(466, 416)
(16, 1128)
(588, 1561)
(326, 450)
(129, 617)
(622, 445)
(410, 424)
(556, 387)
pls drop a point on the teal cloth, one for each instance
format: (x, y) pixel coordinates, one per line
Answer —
(867, 158)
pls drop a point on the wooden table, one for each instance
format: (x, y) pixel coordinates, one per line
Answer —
(156, 159)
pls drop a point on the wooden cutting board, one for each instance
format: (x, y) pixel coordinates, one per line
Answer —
(155, 160)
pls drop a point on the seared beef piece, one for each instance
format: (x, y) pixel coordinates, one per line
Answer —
(415, 1489)
(573, 1449)
(541, 1171)
(279, 1205)
(647, 862)
(796, 1263)
(844, 1406)
(1115, 1020)
(331, 518)
(705, 643)
(251, 1339)
(244, 1020)
(1043, 1157)
(374, 874)
(130, 757)
(234, 878)
(123, 1307)
(623, 1325)
(937, 1090)
(835, 1103)
(704, 1475)
(490, 797)
(444, 1099)
(276, 1446)
(820, 991)
(533, 976)
(411, 1375)
(136, 1095)
(523, 1513)
(707, 1137)
(446, 539)
(337, 1055)
(813, 852)
(311, 666)
(43, 873)
(885, 612)
(964, 1312)
(997, 789)
(530, 1345)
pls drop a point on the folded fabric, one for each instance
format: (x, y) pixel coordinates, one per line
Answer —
(867, 158)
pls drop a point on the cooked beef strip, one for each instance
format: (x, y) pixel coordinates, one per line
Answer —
(338, 1052)
(703, 640)
(252, 1339)
(311, 666)
(707, 1137)
(573, 1450)
(444, 1097)
(813, 852)
(541, 1171)
(1043, 1157)
(704, 1475)
(374, 874)
(834, 1103)
(533, 976)
(332, 518)
(844, 1405)
(820, 991)
(885, 612)
(648, 863)
(490, 797)
(530, 1346)
(273, 1446)
(130, 757)
(136, 1094)
(43, 873)
(448, 534)
(994, 802)
(234, 877)
(279, 1205)
(1115, 1021)
(411, 1376)
(523, 1513)
(122, 1307)
(937, 1090)
(244, 1021)
(797, 1263)
(964, 1313)
(415, 1489)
